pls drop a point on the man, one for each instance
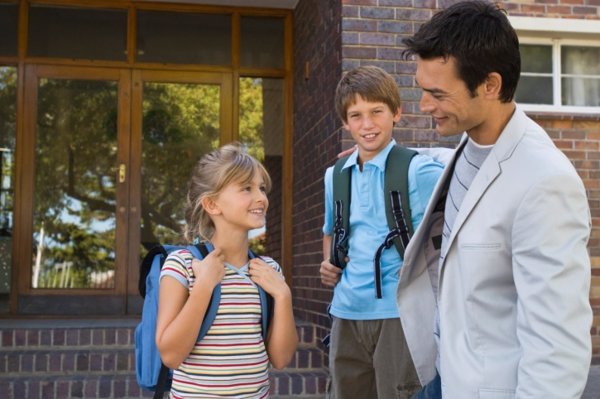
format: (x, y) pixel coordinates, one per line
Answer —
(503, 240)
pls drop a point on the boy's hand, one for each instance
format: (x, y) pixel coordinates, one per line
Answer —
(268, 278)
(330, 274)
(211, 269)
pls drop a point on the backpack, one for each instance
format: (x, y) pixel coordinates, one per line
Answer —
(151, 373)
(397, 209)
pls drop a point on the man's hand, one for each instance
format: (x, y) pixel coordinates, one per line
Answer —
(330, 274)
(346, 152)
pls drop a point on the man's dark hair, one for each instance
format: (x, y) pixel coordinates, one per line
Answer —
(478, 35)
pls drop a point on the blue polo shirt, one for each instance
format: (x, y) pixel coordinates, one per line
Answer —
(354, 296)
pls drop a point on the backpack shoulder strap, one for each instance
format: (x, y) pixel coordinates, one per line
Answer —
(266, 304)
(397, 204)
(341, 212)
(200, 251)
(146, 265)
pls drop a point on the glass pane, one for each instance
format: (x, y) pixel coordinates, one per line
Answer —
(584, 92)
(261, 130)
(262, 42)
(534, 90)
(100, 34)
(9, 15)
(8, 117)
(180, 124)
(75, 188)
(580, 60)
(536, 58)
(170, 37)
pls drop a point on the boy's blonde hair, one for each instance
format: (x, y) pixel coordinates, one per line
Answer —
(371, 83)
(215, 170)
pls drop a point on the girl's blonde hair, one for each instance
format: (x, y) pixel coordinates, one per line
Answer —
(215, 170)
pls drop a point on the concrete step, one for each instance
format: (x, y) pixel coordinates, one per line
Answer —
(75, 359)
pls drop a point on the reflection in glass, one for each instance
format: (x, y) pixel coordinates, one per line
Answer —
(261, 122)
(536, 58)
(583, 92)
(8, 117)
(580, 60)
(534, 90)
(75, 188)
(180, 124)
(262, 42)
(9, 15)
(99, 34)
(581, 76)
(183, 38)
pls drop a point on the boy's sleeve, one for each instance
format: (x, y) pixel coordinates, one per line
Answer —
(328, 181)
(423, 175)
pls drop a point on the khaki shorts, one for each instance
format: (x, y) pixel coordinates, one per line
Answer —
(369, 359)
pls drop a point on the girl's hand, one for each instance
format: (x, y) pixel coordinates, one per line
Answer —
(210, 270)
(268, 278)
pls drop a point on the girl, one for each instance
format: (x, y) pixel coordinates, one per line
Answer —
(226, 198)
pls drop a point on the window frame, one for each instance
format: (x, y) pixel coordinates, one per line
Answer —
(556, 33)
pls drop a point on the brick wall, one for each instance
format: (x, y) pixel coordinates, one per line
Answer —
(371, 34)
(317, 138)
(579, 139)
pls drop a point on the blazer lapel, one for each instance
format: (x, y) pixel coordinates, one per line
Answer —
(486, 175)
(505, 145)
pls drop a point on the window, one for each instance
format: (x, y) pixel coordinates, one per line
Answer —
(560, 68)
(101, 34)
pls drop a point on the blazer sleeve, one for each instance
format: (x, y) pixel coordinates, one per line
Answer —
(551, 269)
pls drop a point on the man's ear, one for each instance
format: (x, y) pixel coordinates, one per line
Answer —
(492, 86)
(210, 206)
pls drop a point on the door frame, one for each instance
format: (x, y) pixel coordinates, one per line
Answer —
(226, 120)
(50, 301)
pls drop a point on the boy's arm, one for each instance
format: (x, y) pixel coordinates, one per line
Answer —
(330, 274)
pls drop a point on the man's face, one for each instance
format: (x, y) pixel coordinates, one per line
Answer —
(446, 97)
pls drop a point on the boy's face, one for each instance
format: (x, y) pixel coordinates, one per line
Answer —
(370, 125)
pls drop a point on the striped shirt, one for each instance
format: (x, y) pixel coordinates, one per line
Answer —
(231, 360)
(465, 170)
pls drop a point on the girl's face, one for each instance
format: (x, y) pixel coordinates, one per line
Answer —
(243, 206)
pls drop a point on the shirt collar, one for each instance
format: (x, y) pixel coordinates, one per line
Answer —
(378, 161)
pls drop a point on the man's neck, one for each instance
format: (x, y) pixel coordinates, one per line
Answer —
(488, 132)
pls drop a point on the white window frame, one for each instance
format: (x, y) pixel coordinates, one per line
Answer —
(557, 32)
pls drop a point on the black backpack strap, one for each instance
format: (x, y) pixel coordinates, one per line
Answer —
(341, 213)
(397, 207)
(201, 245)
(162, 385)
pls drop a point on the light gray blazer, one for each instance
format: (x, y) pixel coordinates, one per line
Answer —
(514, 283)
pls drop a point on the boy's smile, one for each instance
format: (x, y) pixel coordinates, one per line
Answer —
(371, 125)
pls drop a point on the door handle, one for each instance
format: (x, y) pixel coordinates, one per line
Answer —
(122, 173)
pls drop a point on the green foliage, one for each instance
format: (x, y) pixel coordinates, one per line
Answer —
(251, 116)
(76, 166)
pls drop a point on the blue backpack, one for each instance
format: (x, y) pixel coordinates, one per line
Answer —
(151, 373)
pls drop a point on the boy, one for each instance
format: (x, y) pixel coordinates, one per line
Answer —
(368, 355)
